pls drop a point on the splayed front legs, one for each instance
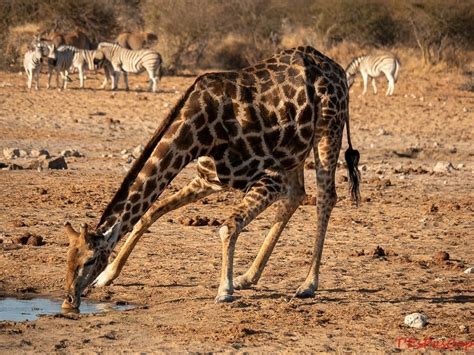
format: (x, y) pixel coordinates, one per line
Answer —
(195, 190)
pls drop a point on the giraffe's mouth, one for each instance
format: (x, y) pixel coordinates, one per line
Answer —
(71, 302)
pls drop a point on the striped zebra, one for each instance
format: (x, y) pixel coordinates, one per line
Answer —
(67, 57)
(373, 66)
(130, 61)
(32, 62)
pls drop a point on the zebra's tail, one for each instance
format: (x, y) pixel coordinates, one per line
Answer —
(352, 157)
(397, 68)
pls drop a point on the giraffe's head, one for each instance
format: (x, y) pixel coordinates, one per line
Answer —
(87, 257)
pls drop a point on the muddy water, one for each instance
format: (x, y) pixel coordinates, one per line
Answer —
(19, 310)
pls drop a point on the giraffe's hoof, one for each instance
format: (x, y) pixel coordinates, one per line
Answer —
(304, 293)
(242, 282)
(224, 298)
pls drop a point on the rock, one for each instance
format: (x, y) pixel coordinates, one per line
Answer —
(460, 166)
(464, 328)
(124, 151)
(137, 151)
(309, 200)
(408, 153)
(416, 320)
(57, 163)
(443, 167)
(378, 252)
(22, 239)
(71, 153)
(35, 240)
(469, 270)
(441, 257)
(35, 153)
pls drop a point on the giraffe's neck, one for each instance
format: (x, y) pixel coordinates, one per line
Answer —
(171, 148)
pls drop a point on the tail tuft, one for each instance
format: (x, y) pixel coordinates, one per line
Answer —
(352, 160)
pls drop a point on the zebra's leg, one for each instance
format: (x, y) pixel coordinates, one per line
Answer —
(50, 70)
(81, 76)
(195, 190)
(30, 78)
(116, 79)
(391, 85)
(365, 78)
(37, 73)
(283, 215)
(261, 195)
(374, 85)
(65, 79)
(125, 79)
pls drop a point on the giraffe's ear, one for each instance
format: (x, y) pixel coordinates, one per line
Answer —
(70, 232)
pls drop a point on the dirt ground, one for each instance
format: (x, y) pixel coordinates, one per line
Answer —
(407, 209)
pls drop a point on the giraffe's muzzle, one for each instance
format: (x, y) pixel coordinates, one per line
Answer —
(71, 302)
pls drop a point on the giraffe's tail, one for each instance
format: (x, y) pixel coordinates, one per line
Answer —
(352, 161)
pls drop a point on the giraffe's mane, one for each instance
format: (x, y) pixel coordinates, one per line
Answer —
(147, 151)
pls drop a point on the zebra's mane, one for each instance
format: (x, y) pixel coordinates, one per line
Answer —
(354, 65)
(142, 159)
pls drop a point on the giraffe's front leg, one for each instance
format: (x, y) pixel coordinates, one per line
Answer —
(195, 190)
(267, 190)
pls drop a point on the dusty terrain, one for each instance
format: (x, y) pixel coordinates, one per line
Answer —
(408, 210)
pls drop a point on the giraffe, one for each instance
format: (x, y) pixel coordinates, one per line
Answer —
(250, 130)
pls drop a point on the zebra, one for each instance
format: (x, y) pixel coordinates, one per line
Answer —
(373, 66)
(67, 57)
(130, 61)
(32, 62)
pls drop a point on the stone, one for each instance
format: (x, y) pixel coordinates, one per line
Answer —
(441, 257)
(469, 270)
(71, 153)
(22, 239)
(35, 240)
(35, 153)
(57, 163)
(443, 167)
(464, 328)
(378, 252)
(137, 151)
(416, 320)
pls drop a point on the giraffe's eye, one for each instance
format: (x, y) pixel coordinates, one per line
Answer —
(90, 262)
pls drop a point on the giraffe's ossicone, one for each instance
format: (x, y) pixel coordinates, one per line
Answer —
(250, 130)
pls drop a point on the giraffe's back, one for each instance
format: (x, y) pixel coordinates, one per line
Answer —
(263, 116)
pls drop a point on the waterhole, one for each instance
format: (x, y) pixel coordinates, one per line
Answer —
(19, 310)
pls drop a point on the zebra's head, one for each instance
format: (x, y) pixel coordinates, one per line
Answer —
(350, 79)
(51, 54)
(98, 58)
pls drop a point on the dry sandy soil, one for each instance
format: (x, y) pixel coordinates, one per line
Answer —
(408, 210)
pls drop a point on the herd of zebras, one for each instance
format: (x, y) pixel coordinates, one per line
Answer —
(115, 59)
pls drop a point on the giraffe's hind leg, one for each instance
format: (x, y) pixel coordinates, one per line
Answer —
(195, 190)
(289, 205)
(325, 154)
(261, 195)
